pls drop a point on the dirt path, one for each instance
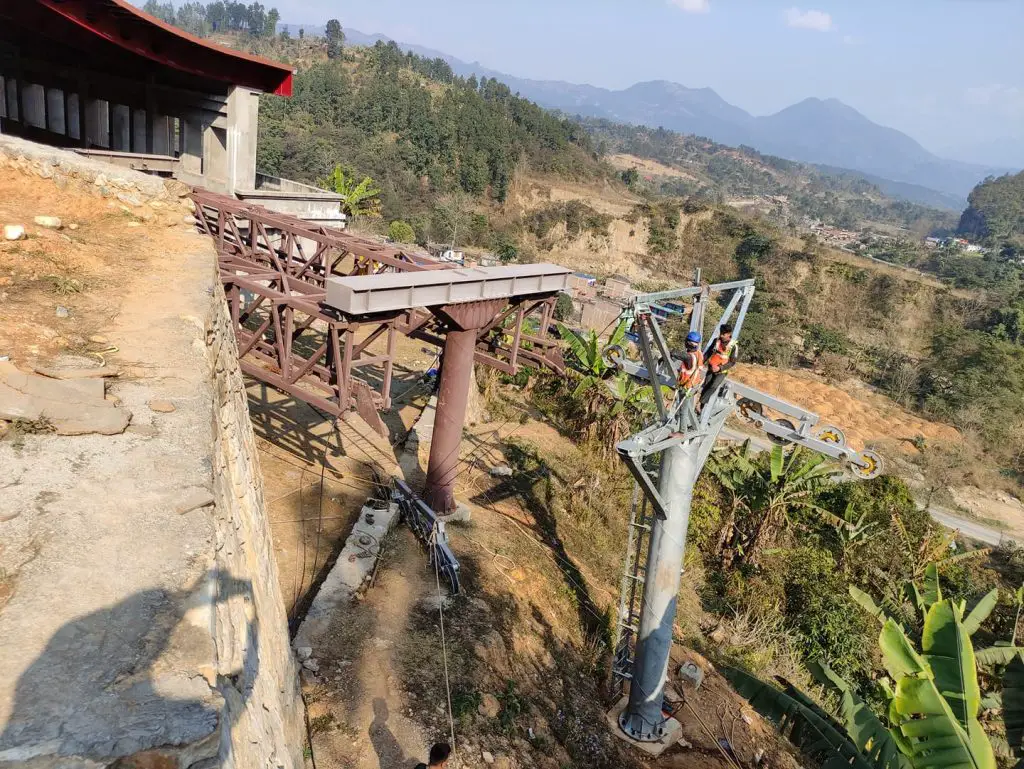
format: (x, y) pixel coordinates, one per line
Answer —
(361, 702)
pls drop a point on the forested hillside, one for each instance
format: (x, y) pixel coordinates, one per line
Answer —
(995, 214)
(417, 129)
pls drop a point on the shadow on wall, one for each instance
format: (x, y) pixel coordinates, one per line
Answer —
(106, 686)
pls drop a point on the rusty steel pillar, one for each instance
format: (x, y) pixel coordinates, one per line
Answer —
(463, 322)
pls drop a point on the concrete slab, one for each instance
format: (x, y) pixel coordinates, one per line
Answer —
(352, 570)
(673, 731)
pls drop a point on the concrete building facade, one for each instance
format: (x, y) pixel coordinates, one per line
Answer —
(107, 80)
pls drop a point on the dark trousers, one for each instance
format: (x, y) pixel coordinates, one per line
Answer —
(711, 384)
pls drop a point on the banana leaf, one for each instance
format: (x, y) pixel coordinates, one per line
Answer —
(932, 591)
(1013, 703)
(981, 611)
(997, 655)
(868, 733)
(777, 458)
(867, 603)
(810, 729)
(934, 691)
(946, 647)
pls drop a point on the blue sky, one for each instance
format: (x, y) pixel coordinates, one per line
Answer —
(948, 72)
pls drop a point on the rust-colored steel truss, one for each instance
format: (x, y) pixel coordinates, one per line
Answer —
(273, 268)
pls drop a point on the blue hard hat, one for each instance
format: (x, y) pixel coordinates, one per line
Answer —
(693, 336)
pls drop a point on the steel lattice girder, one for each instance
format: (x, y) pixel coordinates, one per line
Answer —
(289, 339)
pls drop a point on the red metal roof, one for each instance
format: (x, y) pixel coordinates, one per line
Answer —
(127, 27)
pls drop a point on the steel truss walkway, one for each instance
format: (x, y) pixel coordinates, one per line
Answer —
(275, 268)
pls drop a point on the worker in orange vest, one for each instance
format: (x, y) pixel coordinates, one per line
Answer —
(691, 368)
(724, 354)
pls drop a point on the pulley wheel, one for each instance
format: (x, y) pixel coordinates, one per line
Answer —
(831, 434)
(613, 355)
(867, 466)
(749, 409)
(775, 438)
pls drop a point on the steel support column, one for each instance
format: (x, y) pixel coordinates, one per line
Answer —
(643, 719)
(452, 398)
(463, 321)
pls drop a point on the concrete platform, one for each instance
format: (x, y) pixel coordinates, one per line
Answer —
(352, 570)
(673, 731)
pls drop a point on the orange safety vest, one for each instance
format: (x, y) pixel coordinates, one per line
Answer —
(690, 376)
(719, 357)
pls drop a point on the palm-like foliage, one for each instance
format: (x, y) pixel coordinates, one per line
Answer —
(770, 491)
(585, 351)
(361, 198)
(608, 399)
(934, 695)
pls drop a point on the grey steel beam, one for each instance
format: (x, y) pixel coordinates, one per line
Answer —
(681, 293)
(370, 294)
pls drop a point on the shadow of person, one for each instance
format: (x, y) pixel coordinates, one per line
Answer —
(124, 679)
(389, 752)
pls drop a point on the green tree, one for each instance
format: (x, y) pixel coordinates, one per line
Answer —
(401, 232)
(505, 248)
(335, 39)
(563, 307)
(630, 176)
(360, 198)
(270, 24)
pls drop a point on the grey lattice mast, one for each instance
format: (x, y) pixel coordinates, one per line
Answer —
(681, 439)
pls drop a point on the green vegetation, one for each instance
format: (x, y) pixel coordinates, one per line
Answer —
(933, 696)
(361, 198)
(401, 232)
(995, 214)
(202, 20)
(418, 130)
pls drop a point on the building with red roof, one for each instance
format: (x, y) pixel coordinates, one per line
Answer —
(106, 79)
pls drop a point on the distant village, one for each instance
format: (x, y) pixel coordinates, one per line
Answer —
(861, 242)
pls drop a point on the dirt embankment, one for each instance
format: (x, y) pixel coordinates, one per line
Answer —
(865, 417)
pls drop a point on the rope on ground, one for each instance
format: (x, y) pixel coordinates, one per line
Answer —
(725, 754)
(444, 647)
(497, 557)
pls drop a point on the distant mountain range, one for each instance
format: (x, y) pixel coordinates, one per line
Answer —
(824, 132)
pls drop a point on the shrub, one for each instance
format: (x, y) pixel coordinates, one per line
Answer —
(563, 307)
(401, 232)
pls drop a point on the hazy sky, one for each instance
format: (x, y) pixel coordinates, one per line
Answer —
(948, 72)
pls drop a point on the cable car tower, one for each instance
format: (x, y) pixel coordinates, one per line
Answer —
(666, 458)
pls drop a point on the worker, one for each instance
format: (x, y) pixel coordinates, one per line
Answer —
(438, 759)
(691, 368)
(723, 356)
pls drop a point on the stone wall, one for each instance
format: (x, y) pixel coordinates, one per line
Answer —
(266, 712)
(141, 619)
(66, 168)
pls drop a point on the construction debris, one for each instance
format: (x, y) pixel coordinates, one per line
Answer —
(68, 407)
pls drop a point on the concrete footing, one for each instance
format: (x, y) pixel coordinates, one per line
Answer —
(352, 570)
(673, 731)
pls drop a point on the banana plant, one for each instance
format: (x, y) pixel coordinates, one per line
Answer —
(359, 198)
(934, 696)
(585, 350)
(771, 492)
